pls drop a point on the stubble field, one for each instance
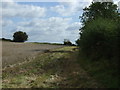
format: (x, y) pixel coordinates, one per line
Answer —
(13, 53)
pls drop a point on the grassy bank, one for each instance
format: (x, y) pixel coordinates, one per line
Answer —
(48, 43)
(104, 71)
(57, 68)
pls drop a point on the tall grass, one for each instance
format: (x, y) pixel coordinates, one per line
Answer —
(106, 72)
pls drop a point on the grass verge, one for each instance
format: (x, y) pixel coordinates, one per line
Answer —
(47, 43)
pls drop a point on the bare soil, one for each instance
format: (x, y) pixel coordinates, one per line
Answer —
(13, 53)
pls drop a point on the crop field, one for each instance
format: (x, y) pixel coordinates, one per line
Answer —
(13, 53)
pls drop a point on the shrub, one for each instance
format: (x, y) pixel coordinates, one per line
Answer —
(67, 42)
(98, 38)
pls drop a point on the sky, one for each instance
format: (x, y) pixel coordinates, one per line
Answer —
(47, 21)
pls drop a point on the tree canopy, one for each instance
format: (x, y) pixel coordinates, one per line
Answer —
(100, 30)
(20, 36)
(99, 9)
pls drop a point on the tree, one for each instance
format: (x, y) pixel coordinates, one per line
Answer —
(99, 38)
(20, 36)
(100, 30)
(99, 9)
(67, 42)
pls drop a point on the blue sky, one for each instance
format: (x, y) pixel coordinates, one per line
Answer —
(43, 21)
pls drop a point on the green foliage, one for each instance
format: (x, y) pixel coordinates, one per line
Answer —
(103, 71)
(117, 42)
(99, 46)
(98, 38)
(98, 9)
(20, 36)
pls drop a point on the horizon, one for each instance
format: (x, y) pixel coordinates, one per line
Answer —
(43, 21)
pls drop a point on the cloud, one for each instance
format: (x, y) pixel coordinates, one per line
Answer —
(74, 26)
(69, 8)
(73, 7)
(12, 9)
(119, 4)
(53, 29)
(8, 28)
(6, 23)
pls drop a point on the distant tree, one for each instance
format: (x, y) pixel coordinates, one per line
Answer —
(67, 42)
(20, 36)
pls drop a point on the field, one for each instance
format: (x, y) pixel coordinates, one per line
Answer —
(13, 53)
(36, 65)
(58, 68)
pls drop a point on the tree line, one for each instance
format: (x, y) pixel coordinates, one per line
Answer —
(21, 36)
(100, 31)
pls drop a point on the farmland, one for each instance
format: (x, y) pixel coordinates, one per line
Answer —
(53, 69)
(13, 53)
(31, 65)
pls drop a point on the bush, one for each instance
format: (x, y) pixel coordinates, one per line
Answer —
(117, 42)
(67, 42)
(99, 38)
(20, 36)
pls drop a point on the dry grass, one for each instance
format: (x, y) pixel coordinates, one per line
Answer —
(58, 68)
(13, 53)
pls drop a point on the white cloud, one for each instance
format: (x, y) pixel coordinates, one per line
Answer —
(53, 29)
(61, 10)
(8, 28)
(12, 9)
(74, 26)
(69, 8)
(6, 23)
(119, 4)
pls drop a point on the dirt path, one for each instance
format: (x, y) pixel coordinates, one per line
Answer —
(55, 69)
